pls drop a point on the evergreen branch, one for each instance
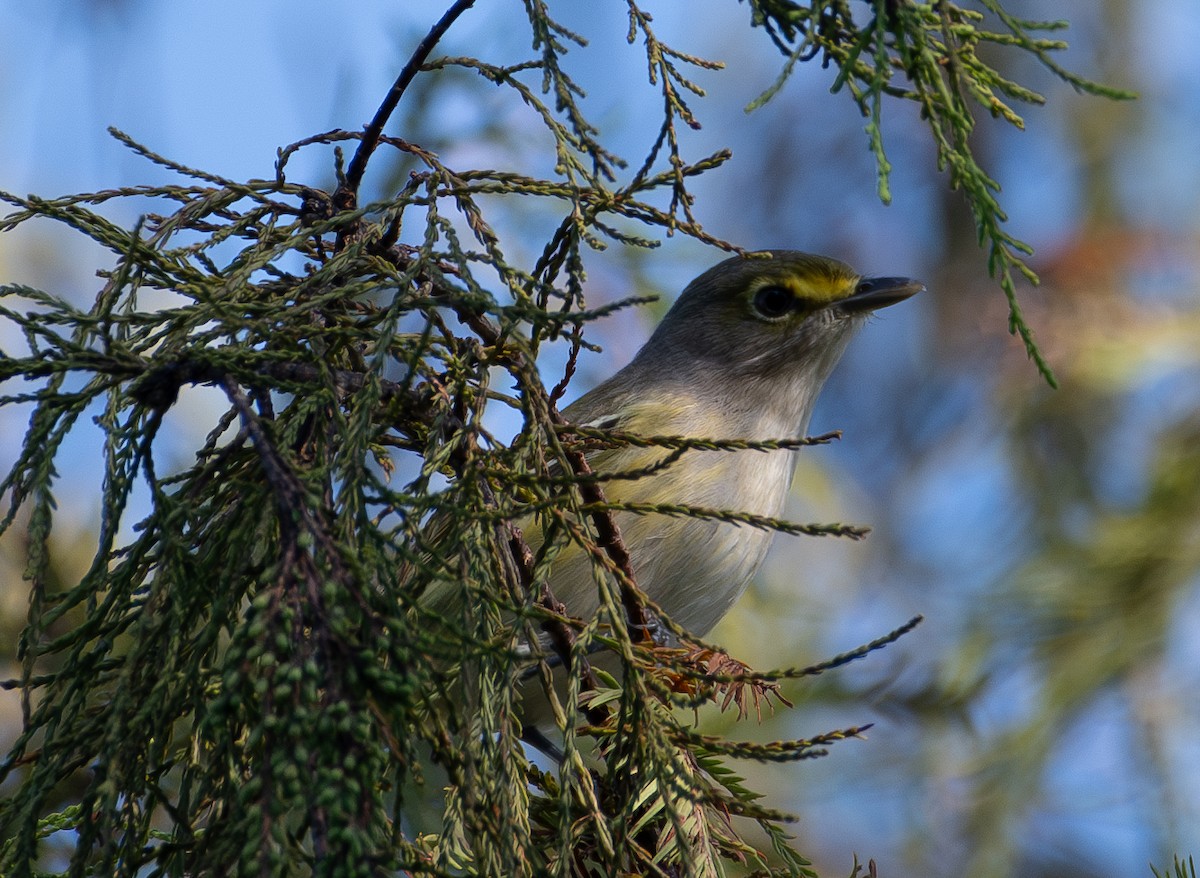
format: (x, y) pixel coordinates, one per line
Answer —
(733, 516)
(934, 47)
(620, 438)
(774, 676)
(774, 751)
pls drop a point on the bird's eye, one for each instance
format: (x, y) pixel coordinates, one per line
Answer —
(773, 302)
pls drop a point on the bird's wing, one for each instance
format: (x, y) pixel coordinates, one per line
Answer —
(572, 580)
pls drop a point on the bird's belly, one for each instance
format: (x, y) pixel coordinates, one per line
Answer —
(696, 568)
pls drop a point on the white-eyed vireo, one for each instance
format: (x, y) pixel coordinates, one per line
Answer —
(742, 354)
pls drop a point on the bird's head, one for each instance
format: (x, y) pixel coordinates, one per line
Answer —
(771, 314)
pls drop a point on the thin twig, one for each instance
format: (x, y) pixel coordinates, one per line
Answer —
(358, 164)
(609, 534)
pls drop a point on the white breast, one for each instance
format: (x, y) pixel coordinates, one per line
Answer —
(695, 568)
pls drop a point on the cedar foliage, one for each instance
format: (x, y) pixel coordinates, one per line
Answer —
(251, 684)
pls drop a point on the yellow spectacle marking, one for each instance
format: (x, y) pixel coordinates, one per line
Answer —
(818, 288)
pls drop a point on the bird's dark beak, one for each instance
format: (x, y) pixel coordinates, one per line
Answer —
(874, 293)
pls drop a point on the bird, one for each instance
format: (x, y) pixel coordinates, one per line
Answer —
(742, 354)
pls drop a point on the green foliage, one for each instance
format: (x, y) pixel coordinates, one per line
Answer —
(1090, 613)
(1179, 869)
(248, 682)
(930, 54)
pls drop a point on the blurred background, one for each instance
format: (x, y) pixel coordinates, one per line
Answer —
(1042, 720)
